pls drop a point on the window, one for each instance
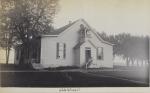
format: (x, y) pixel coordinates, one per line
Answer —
(85, 32)
(100, 53)
(88, 34)
(61, 51)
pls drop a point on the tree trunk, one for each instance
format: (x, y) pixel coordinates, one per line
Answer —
(142, 63)
(7, 54)
(25, 54)
(132, 62)
(137, 63)
(7, 58)
(21, 61)
(128, 61)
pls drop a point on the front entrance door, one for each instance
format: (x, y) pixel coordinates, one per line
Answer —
(87, 54)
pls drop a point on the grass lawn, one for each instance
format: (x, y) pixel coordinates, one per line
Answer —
(12, 76)
(61, 79)
(132, 73)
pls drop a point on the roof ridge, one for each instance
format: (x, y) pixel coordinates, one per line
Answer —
(68, 24)
(61, 29)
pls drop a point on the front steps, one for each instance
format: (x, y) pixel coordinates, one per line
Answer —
(37, 66)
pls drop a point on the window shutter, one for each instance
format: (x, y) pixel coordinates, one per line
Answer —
(97, 53)
(64, 50)
(57, 51)
(102, 54)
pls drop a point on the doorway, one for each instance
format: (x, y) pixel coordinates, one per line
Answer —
(87, 54)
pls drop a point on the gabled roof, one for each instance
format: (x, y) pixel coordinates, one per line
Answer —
(62, 29)
(81, 43)
(78, 45)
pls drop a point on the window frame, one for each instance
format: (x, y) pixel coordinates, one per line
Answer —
(88, 33)
(60, 50)
(101, 55)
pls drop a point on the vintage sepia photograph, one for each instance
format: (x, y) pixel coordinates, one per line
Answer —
(74, 43)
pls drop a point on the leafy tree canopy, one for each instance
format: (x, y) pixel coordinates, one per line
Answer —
(128, 46)
(22, 21)
(26, 19)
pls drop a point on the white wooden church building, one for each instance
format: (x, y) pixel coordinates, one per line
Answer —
(75, 44)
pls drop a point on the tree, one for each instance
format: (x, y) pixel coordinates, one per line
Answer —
(22, 21)
(5, 43)
(131, 48)
(5, 35)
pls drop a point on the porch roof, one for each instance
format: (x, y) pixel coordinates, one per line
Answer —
(78, 45)
(81, 43)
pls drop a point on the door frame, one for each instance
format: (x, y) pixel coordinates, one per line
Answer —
(87, 49)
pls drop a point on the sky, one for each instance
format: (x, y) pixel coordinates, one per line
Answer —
(110, 16)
